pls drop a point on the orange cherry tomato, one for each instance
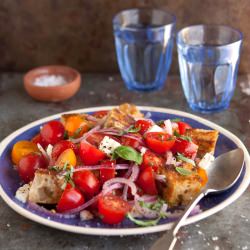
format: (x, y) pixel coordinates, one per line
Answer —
(76, 126)
(203, 175)
(21, 149)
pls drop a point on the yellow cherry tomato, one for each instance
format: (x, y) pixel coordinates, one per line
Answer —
(21, 149)
(67, 156)
(203, 175)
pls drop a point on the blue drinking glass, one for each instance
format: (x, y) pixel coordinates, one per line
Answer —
(208, 61)
(144, 44)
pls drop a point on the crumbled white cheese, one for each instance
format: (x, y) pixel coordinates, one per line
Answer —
(206, 160)
(108, 145)
(168, 127)
(22, 193)
(86, 215)
(143, 150)
(155, 128)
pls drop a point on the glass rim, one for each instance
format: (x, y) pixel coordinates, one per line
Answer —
(172, 16)
(179, 40)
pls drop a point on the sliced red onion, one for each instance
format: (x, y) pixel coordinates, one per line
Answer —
(169, 157)
(174, 125)
(97, 167)
(86, 135)
(91, 118)
(168, 127)
(49, 213)
(121, 180)
(134, 138)
(160, 177)
(147, 198)
(112, 187)
(148, 115)
(84, 206)
(44, 153)
(133, 177)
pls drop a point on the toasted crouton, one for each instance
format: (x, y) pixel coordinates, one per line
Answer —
(45, 188)
(180, 189)
(205, 139)
(122, 117)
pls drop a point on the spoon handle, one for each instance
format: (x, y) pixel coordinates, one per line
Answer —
(168, 240)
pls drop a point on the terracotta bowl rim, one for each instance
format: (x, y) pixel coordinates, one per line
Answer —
(76, 78)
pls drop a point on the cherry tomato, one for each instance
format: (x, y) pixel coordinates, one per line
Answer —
(66, 157)
(100, 114)
(130, 141)
(159, 142)
(144, 125)
(87, 182)
(61, 146)
(152, 160)
(112, 209)
(70, 199)
(21, 149)
(89, 154)
(38, 139)
(29, 164)
(183, 126)
(107, 174)
(203, 175)
(75, 126)
(146, 181)
(52, 132)
(188, 149)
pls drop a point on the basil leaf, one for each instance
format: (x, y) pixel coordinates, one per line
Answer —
(183, 137)
(183, 171)
(133, 129)
(127, 153)
(161, 122)
(143, 223)
(183, 158)
(176, 120)
(65, 135)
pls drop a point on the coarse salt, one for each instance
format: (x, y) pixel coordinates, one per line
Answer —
(50, 81)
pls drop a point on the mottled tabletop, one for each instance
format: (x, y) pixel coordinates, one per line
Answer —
(228, 229)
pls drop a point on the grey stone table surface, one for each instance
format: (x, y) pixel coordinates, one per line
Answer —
(228, 229)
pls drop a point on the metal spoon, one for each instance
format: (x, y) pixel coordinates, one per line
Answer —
(222, 174)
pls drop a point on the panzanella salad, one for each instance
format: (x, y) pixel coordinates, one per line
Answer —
(113, 165)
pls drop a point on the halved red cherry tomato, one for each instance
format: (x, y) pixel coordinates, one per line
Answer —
(107, 174)
(126, 141)
(144, 125)
(146, 181)
(29, 164)
(112, 209)
(159, 142)
(100, 114)
(152, 160)
(183, 126)
(38, 139)
(89, 154)
(70, 199)
(61, 146)
(87, 182)
(188, 149)
(52, 132)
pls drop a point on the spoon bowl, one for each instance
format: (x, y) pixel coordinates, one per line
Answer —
(223, 172)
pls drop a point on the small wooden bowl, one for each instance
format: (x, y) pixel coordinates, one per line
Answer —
(52, 93)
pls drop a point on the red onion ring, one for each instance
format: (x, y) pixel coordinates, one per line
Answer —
(121, 180)
(133, 177)
(97, 167)
(49, 213)
(160, 178)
